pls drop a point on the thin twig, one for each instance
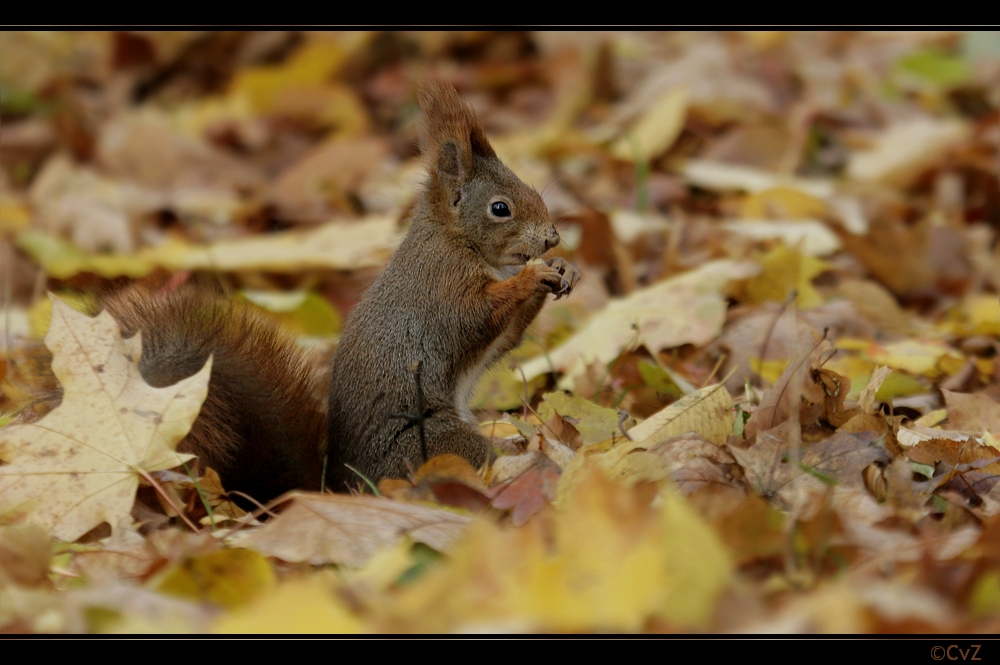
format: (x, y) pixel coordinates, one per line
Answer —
(204, 501)
(770, 330)
(798, 364)
(421, 415)
(524, 412)
(166, 497)
(718, 364)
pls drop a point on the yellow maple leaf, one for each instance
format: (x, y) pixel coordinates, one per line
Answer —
(785, 269)
(919, 357)
(229, 578)
(80, 465)
(303, 606)
(782, 202)
(607, 560)
(337, 245)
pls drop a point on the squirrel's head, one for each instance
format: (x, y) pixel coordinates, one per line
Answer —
(504, 219)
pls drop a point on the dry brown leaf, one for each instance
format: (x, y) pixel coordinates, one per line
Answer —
(812, 237)
(324, 179)
(530, 491)
(823, 395)
(875, 303)
(954, 454)
(905, 148)
(894, 253)
(25, 553)
(749, 329)
(509, 467)
(144, 147)
(912, 434)
(773, 473)
(321, 529)
(972, 413)
(446, 479)
(696, 463)
(784, 400)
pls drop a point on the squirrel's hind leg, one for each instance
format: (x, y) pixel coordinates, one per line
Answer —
(446, 432)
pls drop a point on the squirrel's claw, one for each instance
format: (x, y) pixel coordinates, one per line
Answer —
(569, 276)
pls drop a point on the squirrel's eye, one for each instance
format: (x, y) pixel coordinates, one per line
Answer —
(500, 209)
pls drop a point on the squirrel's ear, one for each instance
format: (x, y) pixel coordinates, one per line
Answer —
(451, 133)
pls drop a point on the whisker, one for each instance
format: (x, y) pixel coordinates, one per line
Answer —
(551, 182)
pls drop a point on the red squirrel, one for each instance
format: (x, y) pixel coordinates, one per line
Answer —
(456, 296)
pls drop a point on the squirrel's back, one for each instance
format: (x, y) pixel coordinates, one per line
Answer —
(262, 424)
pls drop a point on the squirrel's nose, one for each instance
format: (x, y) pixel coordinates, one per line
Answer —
(552, 238)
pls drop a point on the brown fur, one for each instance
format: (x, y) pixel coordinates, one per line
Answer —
(261, 426)
(456, 297)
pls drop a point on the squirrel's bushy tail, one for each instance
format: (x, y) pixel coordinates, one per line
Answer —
(263, 421)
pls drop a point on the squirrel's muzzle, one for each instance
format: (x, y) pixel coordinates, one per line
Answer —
(551, 238)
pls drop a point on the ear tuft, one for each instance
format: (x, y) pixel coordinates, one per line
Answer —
(448, 163)
(449, 120)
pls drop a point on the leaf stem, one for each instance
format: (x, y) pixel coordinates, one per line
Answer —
(166, 497)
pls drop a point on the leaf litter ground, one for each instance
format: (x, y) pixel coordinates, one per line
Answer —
(771, 404)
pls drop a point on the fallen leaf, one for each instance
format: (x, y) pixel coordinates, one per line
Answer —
(686, 309)
(912, 434)
(450, 481)
(142, 146)
(866, 401)
(321, 529)
(782, 202)
(299, 606)
(773, 473)
(338, 245)
(80, 465)
(117, 607)
(658, 127)
(25, 553)
(312, 188)
(695, 463)
(594, 423)
(530, 491)
(707, 411)
(228, 578)
(972, 413)
(923, 358)
(722, 176)
(811, 237)
(608, 559)
(875, 303)
(907, 147)
(300, 312)
(785, 270)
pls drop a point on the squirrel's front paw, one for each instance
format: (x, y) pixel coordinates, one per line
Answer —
(568, 276)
